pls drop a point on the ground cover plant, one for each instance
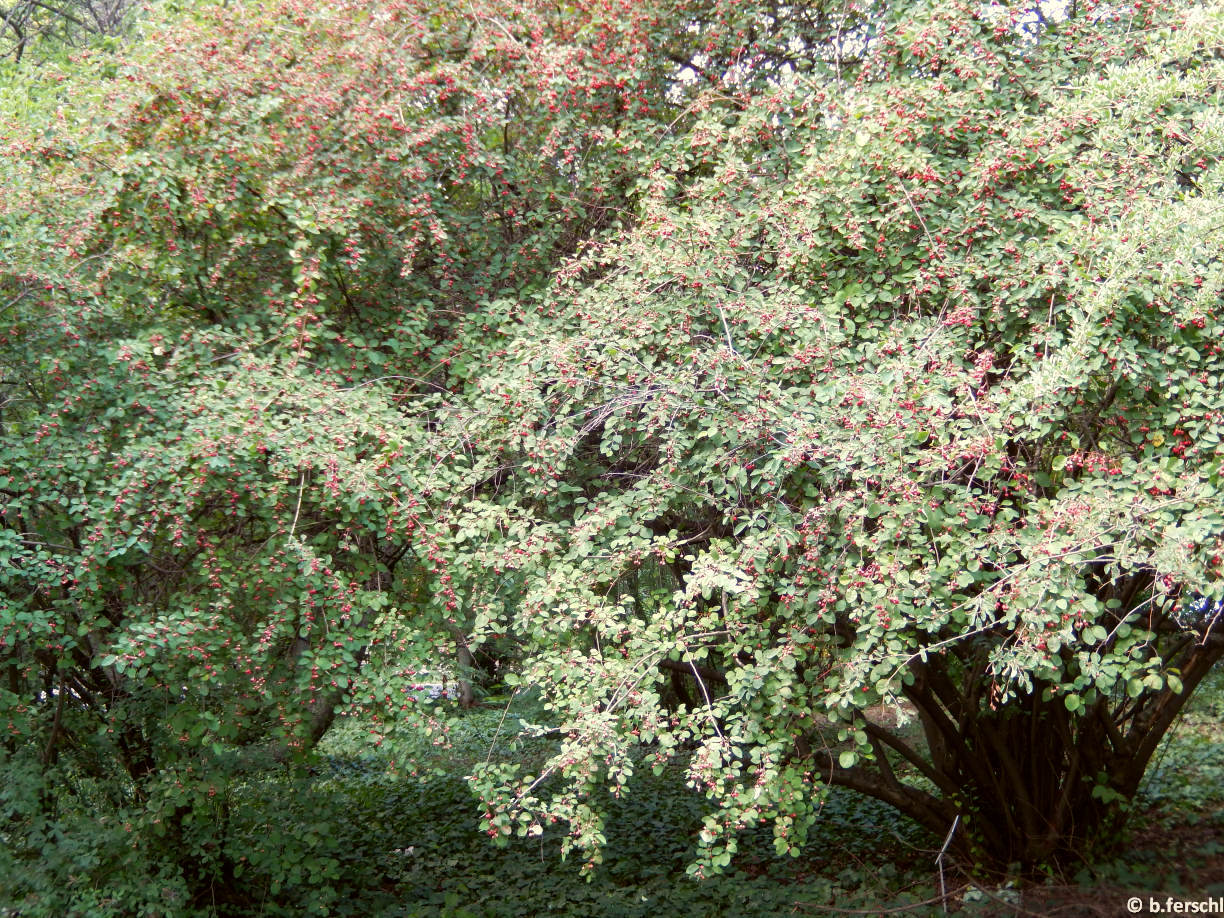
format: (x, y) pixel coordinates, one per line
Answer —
(786, 397)
(357, 834)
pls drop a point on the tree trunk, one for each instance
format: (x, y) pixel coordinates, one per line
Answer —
(1033, 785)
(467, 695)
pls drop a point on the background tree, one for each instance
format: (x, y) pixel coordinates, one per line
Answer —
(239, 264)
(44, 24)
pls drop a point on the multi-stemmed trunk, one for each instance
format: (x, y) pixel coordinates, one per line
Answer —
(1026, 786)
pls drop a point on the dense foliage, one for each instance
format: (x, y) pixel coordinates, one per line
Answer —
(796, 396)
(905, 393)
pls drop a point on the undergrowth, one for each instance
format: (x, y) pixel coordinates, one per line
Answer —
(393, 831)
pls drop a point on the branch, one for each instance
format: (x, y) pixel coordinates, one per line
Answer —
(911, 755)
(56, 11)
(21, 37)
(689, 669)
(920, 806)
